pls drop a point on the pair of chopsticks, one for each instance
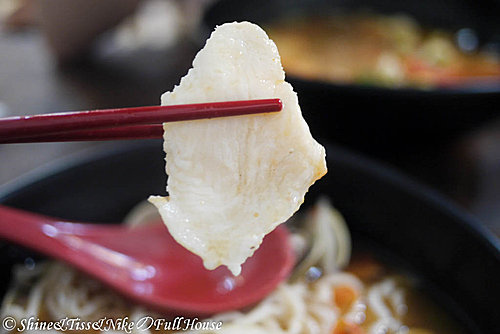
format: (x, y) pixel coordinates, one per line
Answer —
(123, 123)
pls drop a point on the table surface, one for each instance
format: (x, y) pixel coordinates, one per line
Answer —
(467, 170)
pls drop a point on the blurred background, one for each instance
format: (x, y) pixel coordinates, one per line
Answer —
(413, 84)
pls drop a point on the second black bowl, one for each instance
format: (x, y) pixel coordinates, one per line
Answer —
(379, 120)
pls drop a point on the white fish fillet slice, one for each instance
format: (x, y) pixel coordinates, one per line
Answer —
(233, 180)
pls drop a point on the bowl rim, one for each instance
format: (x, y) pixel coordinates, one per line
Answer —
(425, 193)
(481, 88)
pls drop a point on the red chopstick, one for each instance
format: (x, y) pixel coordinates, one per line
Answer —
(148, 131)
(108, 124)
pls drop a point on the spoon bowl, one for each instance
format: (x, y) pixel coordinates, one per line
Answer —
(145, 264)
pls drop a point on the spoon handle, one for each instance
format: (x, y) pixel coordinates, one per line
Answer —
(92, 248)
(28, 229)
(73, 243)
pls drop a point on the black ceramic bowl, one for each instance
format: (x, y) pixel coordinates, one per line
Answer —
(383, 120)
(458, 261)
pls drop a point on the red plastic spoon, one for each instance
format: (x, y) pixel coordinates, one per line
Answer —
(146, 265)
